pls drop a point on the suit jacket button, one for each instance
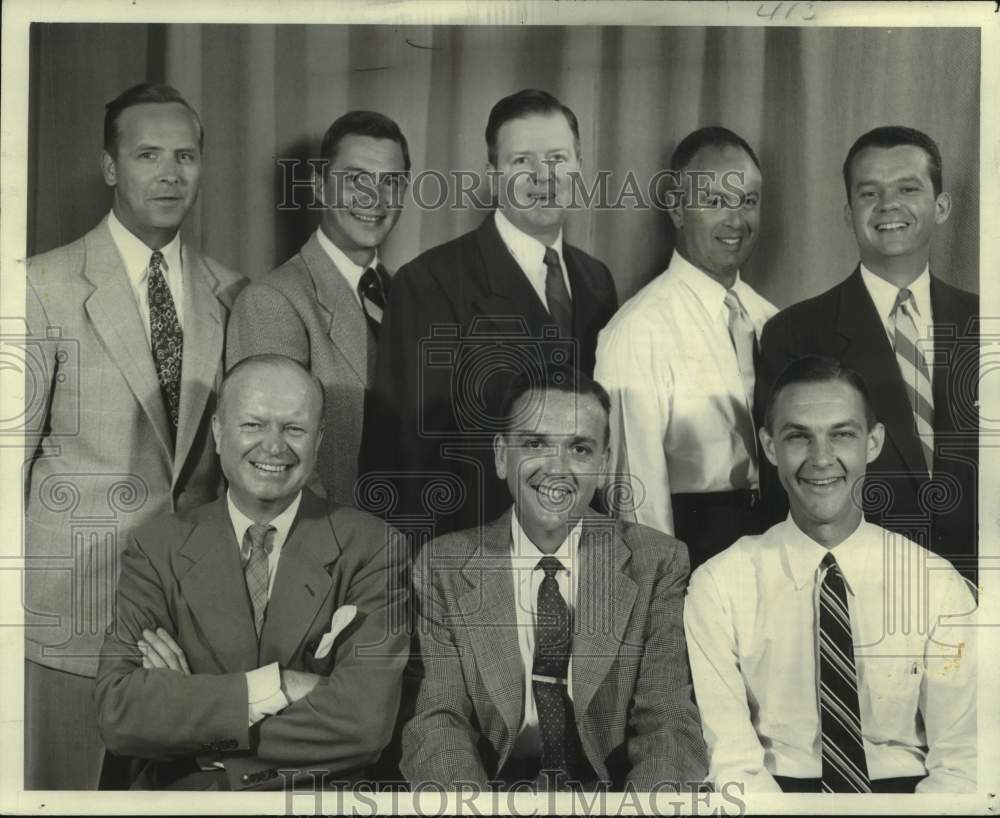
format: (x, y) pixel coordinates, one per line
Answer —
(206, 747)
(245, 778)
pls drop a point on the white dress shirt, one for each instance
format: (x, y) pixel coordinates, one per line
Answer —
(751, 623)
(529, 253)
(264, 683)
(527, 579)
(348, 269)
(135, 255)
(668, 362)
(884, 295)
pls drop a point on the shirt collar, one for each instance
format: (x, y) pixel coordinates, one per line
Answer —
(884, 293)
(528, 554)
(709, 292)
(282, 523)
(803, 554)
(527, 250)
(348, 269)
(135, 253)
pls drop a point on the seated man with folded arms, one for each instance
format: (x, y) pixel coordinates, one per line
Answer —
(271, 663)
(551, 639)
(830, 654)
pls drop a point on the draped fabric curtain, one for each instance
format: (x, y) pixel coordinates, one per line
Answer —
(266, 93)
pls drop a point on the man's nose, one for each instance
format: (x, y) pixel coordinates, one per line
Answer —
(821, 451)
(169, 169)
(272, 441)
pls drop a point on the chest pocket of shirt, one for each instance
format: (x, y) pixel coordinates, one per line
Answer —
(892, 686)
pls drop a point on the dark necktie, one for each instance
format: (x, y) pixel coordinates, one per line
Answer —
(845, 768)
(372, 289)
(561, 748)
(166, 339)
(556, 294)
(916, 374)
(257, 544)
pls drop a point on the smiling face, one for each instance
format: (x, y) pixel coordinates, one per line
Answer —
(363, 190)
(821, 446)
(155, 170)
(893, 210)
(553, 459)
(536, 156)
(267, 433)
(718, 223)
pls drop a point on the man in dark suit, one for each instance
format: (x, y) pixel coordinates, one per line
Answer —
(911, 336)
(508, 297)
(128, 324)
(551, 639)
(323, 307)
(234, 662)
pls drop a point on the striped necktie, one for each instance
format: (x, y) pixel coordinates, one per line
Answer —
(166, 339)
(556, 295)
(845, 768)
(258, 541)
(916, 374)
(372, 288)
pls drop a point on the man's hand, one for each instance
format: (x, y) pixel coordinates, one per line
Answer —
(159, 650)
(296, 684)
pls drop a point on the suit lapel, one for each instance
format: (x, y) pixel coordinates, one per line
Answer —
(511, 294)
(605, 597)
(115, 317)
(215, 590)
(203, 338)
(302, 583)
(868, 351)
(345, 322)
(489, 611)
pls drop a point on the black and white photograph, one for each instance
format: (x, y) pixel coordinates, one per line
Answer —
(554, 406)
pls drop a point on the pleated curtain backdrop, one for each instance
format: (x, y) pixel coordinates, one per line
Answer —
(267, 93)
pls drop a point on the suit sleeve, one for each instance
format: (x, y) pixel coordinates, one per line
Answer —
(343, 725)
(777, 350)
(734, 750)
(639, 387)
(666, 744)
(264, 321)
(440, 742)
(42, 370)
(158, 713)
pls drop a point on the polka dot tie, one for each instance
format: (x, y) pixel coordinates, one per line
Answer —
(166, 339)
(561, 749)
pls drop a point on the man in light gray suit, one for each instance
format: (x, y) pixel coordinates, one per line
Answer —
(127, 326)
(323, 307)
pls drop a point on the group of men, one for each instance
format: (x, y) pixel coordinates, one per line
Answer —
(208, 608)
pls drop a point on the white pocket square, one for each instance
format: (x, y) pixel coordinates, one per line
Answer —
(342, 617)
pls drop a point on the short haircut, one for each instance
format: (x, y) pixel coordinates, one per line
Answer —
(141, 94)
(272, 359)
(893, 136)
(528, 102)
(554, 378)
(818, 369)
(363, 123)
(713, 136)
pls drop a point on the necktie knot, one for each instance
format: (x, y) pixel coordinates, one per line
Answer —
(551, 257)
(371, 286)
(156, 262)
(550, 565)
(904, 301)
(261, 537)
(733, 302)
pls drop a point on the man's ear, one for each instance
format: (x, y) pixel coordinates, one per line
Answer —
(848, 220)
(942, 207)
(876, 439)
(216, 431)
(767, 444)
(500, 455)
(676, 213)
(109, 170)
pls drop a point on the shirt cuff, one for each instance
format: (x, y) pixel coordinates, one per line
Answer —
(264, 692)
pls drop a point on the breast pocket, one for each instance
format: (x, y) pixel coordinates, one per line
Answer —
(892, 688)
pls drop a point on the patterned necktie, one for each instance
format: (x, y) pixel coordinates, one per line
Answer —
(166, 339)
(257, 544)
(845, 768)
(556, 294)
(372, 289)
(561, 748)
(743, 337)
(916, 374)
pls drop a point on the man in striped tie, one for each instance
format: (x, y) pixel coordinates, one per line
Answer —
(323, 307)
(830, 654)
(911, 334)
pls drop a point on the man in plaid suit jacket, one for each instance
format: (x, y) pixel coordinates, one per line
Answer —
(480, 718)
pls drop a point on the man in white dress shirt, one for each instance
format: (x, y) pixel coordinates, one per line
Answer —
(323, 307)
(830, 654)
(678, 359)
